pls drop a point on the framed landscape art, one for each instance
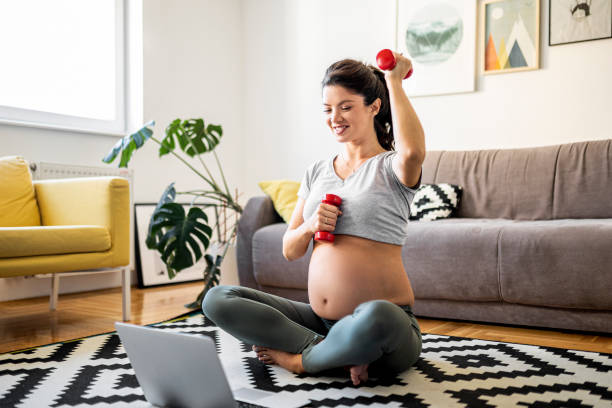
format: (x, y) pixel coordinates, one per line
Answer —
(440, 39)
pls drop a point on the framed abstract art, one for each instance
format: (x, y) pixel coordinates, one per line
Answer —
(509, 36)
(574, 21)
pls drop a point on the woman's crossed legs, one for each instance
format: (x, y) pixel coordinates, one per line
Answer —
(378, 333)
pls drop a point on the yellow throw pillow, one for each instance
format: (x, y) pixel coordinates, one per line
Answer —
(283, 194)
(18, 206)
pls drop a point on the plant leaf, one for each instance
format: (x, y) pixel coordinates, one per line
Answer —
(168, 196)
(174, 129)
(212, 273)
(128, 144)
(214, 129)
(193, 137)
(182, 235)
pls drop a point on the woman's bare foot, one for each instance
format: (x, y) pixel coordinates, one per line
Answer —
(291, 362)
(359, 373)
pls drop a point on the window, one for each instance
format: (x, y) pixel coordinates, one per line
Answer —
(63, 64)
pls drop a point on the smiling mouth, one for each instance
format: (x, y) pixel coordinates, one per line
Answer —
(340, 129)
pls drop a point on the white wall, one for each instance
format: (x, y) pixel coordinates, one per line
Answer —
(289, 44)
(193, 67)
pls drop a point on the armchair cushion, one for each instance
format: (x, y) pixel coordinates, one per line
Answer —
(102, 201)
(270, 268)
(18, 207)
(53, 240)
(100, 205)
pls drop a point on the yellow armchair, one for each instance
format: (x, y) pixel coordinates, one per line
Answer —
(79, 224)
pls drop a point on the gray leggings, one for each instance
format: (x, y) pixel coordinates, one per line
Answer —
(379, 333)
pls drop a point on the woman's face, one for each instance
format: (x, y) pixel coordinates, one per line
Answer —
(347, 115)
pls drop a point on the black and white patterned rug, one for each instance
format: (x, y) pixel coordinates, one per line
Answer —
(452, 372)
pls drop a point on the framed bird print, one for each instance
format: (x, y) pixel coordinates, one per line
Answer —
(574, 21)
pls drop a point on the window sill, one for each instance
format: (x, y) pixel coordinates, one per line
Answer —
(94, 131)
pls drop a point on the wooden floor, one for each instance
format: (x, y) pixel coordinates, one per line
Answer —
(28, 323)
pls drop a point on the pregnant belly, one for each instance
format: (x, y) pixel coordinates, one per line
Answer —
(354, 270)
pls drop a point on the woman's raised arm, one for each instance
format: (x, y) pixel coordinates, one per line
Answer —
(407, 130)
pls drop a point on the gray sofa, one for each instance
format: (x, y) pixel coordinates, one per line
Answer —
(531, 243)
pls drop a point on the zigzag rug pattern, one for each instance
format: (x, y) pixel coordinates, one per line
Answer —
(452, 372)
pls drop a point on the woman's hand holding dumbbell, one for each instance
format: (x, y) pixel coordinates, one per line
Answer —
(397, 65)
(323, 221)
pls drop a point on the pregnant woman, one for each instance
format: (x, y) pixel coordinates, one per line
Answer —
(359, 316)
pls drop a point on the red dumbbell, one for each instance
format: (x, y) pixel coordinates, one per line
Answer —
(386, 61)
(330, 199)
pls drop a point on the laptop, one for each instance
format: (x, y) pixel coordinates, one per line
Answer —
(182, 370)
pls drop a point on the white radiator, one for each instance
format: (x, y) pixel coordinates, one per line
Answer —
(45, 171)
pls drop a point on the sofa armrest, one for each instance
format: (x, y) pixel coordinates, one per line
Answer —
(101, 201)
(258, 212)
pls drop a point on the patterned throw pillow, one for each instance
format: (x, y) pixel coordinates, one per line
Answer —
(435, 201)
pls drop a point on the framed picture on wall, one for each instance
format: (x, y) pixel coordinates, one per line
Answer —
(150, 268)
(574, 21)
(509, 36)
(440, 39)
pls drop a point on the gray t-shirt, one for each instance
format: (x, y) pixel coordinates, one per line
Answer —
(375, 203)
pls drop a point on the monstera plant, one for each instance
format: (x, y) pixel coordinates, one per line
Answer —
(183, 238)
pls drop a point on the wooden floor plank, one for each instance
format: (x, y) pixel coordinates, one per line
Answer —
(29, 323)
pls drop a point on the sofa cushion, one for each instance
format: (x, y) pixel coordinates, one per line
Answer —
(454, 259)
(430, 166)
(56, 240)
(270, 267)
(583, 180)
(557, 263)
(258, 212)
(18, 206)
(508, 183)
